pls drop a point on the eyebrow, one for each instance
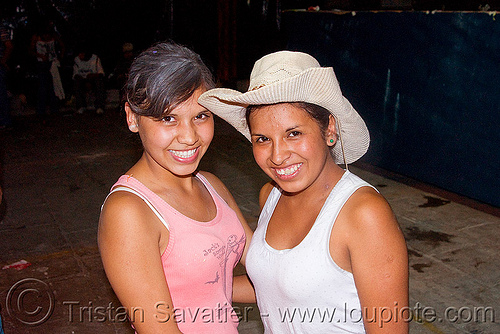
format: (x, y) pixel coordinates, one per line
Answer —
(292, 128)
(167, 113)
(200, 112)
(287, 130)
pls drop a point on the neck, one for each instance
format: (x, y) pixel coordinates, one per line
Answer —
(155, 176)
(322, 185)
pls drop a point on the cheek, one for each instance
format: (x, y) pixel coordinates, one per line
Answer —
(260, 155)
(206, 132)
(315, 146)
(156, 138)
(304, 148)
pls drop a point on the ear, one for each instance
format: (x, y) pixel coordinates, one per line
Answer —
(132, 119)
(331, 132)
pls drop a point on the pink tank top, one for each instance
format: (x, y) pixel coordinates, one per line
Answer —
(198, 262)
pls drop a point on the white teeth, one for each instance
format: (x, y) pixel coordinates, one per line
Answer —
(289, 170)
(183, 154)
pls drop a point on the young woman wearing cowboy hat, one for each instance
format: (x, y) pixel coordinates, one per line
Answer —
(328, 255)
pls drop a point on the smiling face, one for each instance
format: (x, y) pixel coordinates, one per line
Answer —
(177, 142)
(290, 147)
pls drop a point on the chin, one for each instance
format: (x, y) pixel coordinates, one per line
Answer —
(186, 171)
(290, 187)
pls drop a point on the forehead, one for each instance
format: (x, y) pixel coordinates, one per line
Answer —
(279, 115)
(191, 104)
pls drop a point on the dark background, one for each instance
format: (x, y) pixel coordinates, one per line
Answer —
(229, 34)
(427, 86)
(439, 123)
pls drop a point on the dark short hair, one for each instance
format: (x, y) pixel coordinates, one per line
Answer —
(164, 76)
(319, 114)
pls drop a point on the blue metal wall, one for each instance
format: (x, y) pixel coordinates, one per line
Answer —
(427, 84)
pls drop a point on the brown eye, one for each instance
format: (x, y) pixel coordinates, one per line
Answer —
(261, 139)
(202, 116)
(167, 119)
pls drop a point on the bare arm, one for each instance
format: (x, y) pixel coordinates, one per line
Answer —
(129, 235)
(243, 291)
(379, 262)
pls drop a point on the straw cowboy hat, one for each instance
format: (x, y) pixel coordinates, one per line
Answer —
(287, 76)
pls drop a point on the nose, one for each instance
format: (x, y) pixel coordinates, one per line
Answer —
(187, 134)
(280, 153)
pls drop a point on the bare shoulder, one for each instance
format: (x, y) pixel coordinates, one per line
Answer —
(126, 215)
(121, 204)
(128, 230)
(377, 254)
(129, 243)
(367, 209)
(370, 227)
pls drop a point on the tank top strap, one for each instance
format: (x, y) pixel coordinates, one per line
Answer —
(161, 205)
(131, 185)
(215, 195)
(151, 206)
(340, 194)
(268, 208)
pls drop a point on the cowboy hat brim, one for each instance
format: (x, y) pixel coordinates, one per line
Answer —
(317, 85)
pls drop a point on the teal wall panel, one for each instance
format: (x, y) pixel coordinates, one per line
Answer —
(427, 84)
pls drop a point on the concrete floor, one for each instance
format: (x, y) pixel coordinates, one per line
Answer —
(56, 174)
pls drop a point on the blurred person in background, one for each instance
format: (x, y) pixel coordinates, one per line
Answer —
(48, 48)
(88, 79)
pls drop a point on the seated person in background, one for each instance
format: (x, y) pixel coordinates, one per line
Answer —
(88, 77)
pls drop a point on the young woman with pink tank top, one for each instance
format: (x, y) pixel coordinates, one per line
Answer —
(327, 255)
(170, 235)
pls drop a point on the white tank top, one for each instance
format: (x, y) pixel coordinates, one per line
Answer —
(302, 290)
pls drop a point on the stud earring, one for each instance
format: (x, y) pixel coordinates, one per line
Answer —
(331, 141)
